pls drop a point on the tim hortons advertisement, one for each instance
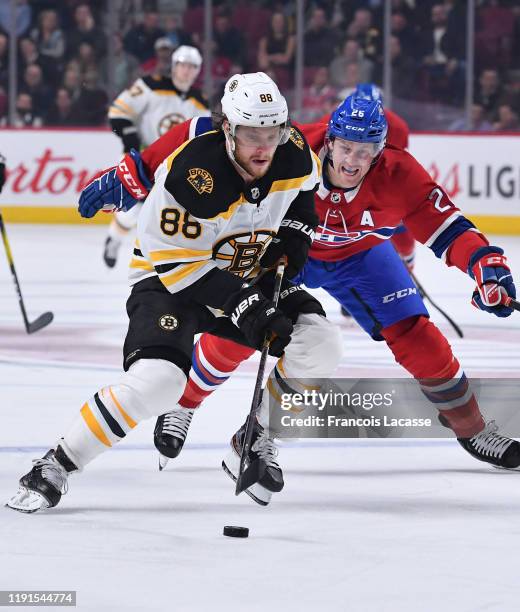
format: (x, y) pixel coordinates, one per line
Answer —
(48, 168)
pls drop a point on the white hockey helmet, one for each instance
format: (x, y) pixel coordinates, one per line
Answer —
(254, 100)
(187, 55)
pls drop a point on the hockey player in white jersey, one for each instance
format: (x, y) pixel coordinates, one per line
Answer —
(217, 202)
(144, 112)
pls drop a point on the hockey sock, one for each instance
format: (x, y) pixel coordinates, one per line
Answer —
(148, 388)
(213, 361)
(419, 346)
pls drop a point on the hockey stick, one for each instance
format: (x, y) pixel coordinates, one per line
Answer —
(511, 303)
(248, 476)
(44, 319)
(423, 293)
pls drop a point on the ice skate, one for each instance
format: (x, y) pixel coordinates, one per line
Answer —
(44, 485)
(111, 251)
(490, 446)
(170, 433)
(264, 448)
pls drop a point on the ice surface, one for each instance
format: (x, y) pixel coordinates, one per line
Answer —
(361, 525)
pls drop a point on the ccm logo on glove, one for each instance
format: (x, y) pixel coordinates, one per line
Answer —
(130, 183)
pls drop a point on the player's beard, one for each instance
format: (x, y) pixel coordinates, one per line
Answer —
(256, 170)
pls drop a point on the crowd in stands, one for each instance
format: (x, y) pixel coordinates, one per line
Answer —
(64, 69)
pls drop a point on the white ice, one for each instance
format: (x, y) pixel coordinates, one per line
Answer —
(361, 525)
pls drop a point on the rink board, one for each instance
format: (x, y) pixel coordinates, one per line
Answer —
(48, 168)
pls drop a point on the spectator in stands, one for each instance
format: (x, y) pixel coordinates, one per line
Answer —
(48, 37)
(403, 71)
(442, 55)
(404, 31)
(33, 84)
(72, 81)
(320, 98)
(175, 32)
(228, 41)
(91, 105)
(320, 40)
(368, 36)
(276, 48)
(351, 54)
(28, 54)
(3, 102)
(507, 119)
(61, 113)
(85, 58)
(4, 60)
(161, 63)
(23, 16)
(489, 92)
(126, 68)
(25, 116)
(140, 40)
(478, 122)
(85, 31)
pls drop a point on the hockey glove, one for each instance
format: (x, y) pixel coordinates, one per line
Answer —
(489, 268)
(293, 240)
(2, 172)
(118, 188)
(254, 315)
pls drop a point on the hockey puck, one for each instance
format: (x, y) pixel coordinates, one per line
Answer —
(236, 532)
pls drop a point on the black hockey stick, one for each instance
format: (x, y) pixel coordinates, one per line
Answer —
(511, 303)
(254, 471)
(44, 319)
(423, 293)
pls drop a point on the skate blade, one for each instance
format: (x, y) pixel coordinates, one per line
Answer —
(163, 462)
(256, 492)
(27, 501)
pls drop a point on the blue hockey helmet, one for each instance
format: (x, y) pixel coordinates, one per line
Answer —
(359, 120)
(368, 91)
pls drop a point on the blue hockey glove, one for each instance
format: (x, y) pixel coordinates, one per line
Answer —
(489, 268)
(118, 188)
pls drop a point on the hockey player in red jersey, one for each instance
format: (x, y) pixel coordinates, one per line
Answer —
(397, 136)
(365, 192)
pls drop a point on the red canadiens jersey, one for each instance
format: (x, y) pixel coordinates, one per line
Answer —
(397, 189)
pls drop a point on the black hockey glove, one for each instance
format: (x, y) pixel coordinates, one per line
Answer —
(2, 172)
(293, 240)
(254, 315)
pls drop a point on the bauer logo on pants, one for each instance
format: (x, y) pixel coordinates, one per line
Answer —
(168, 322)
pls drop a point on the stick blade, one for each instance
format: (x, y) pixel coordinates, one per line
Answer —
(39, 323)
(251, 475)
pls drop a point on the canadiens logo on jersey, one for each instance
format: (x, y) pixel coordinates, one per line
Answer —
(296, 138)
(201, 180)
(242, 251)
(330, 237)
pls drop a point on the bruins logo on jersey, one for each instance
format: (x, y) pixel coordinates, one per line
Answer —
(242, 251)
(168, 121)
(296, 138)
(201, 180)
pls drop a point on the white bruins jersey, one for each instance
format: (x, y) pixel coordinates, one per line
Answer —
(154, 105)
(200, 215)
